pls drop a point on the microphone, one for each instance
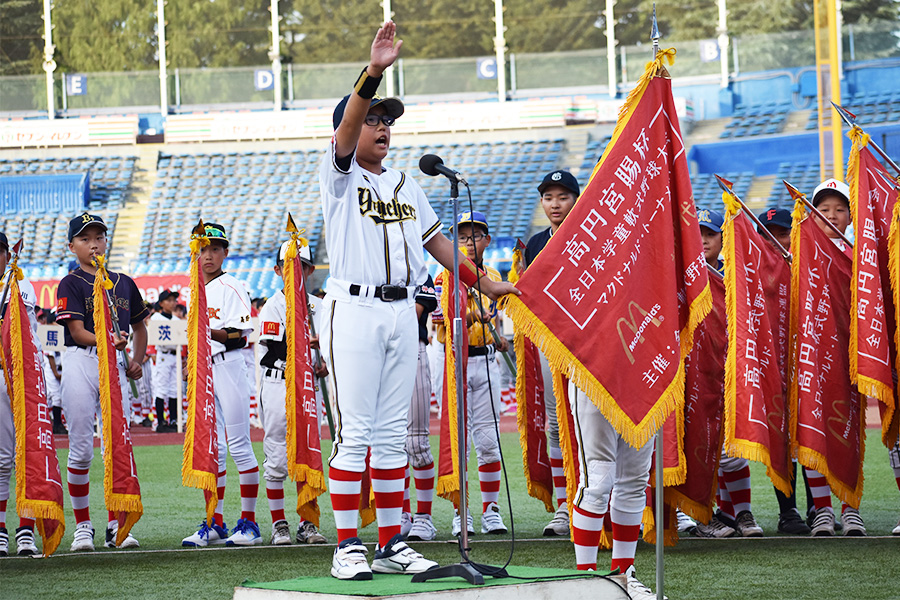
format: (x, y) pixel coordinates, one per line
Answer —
(431, 164)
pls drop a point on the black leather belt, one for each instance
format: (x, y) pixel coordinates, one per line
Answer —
(385, 293)
(277, 373)
(167, 351)
(480, 350)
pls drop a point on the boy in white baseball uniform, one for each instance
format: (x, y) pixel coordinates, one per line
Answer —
(80, 379)
(229, 321)
(272, 392)
(483, 375)
(376, 223)
(25, 545)
(165, 370)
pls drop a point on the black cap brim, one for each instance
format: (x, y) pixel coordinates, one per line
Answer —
(393, 107)
(100, 224)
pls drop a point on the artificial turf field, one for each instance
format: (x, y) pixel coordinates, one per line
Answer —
(772, 567)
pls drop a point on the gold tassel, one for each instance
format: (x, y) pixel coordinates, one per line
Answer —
(536, 489)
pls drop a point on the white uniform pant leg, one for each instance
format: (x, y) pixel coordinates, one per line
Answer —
(730, 464)
(418, 446)
(272, 392)
(80, 390)
(437, 374)
(606, 461)
(549, 403)
(164, 376)
(52, 384)
(371, 354)
(233, 412)
(7, 442)
(483, 404)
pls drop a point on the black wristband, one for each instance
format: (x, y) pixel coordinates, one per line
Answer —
(366, 85)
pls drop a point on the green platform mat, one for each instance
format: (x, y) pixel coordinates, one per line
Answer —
(390, 585)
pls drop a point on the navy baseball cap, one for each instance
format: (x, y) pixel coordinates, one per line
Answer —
(166, 294)
(82, 222)
(776, 216)
(473, 218)
(711, 219)
(3, 241)
(562, 178)
(393, 107)
(216, 232)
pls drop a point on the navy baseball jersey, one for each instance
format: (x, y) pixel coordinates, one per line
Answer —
(75, 301)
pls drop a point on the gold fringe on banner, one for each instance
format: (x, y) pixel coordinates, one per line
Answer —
(128, 503)
(35, 509)
(191, 477)
(569, 454)
(536, 489)
(890, 424)
(448, 485)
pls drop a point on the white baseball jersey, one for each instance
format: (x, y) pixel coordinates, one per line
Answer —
(375, 224)
(273, 316)
(228, 305)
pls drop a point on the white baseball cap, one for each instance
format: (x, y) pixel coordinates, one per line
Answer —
(303, 252)
(831, 187)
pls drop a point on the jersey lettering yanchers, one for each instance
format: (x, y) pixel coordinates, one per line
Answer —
(375, 225)
(229, 307)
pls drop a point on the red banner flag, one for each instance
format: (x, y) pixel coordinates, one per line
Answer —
(531, 419)
(448, 458)
(568, 439)
(625, 266)
(757, 280)
(827, 427)
(39, 489)
(200, 463)
(873, 324)
(120, 482)
(304, 454)
(703, 406)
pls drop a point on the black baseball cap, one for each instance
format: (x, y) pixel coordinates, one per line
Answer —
(166, 294)
(776, 216)
(563, 178)
(216, 233)
(82, 222)
(4, 241)
(393, 107)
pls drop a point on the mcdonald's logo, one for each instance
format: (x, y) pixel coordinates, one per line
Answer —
(47, 293)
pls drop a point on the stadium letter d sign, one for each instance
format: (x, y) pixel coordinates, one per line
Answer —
(263, 79)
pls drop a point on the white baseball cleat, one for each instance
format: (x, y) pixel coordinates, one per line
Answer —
(25, 545)
(4, 542)
(853, 523)
(84, 538)
(281, 533)
(206, 536)
(492, 521)
(112, 530)
(823, 523)
(245, 533)
(405, 523)
(397, 557)
(637, 590)
(349, 561)
(559, 524)
(456, 529)
(423, 529)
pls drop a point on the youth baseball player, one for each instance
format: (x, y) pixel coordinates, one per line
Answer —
(52, 368)
(25, 545)
(80, 379)
(483, 378)
(559, 191)
(376, 223)
(165, 370)
(229, 321)
(272, 392)
(418, 447)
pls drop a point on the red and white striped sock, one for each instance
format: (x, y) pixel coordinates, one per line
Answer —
(275, 494)
(23, 522)
(738, 485)
(723, 498)
(489, 478)
(897, 476)
(558, 472)
(819, 489)
(586, 530)
(219, 515)
(424, 477)
(504, 399)
(254, 407)
(406, 505)
(3, 513)
(626, 528)
(433, 406)
(79, 492)
(136, 408)
(344, 487)
(145, 412)
(249, 481)
(387, 484)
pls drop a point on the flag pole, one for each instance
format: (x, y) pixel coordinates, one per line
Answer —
(17, 247)
(850, 119)
(798, 195)
(660, 521)
(712, 271)
(727, 187)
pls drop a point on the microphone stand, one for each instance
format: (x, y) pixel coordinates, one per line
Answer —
(464, 568)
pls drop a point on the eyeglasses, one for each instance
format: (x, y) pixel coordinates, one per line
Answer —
(373, 120)
(474, 238)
